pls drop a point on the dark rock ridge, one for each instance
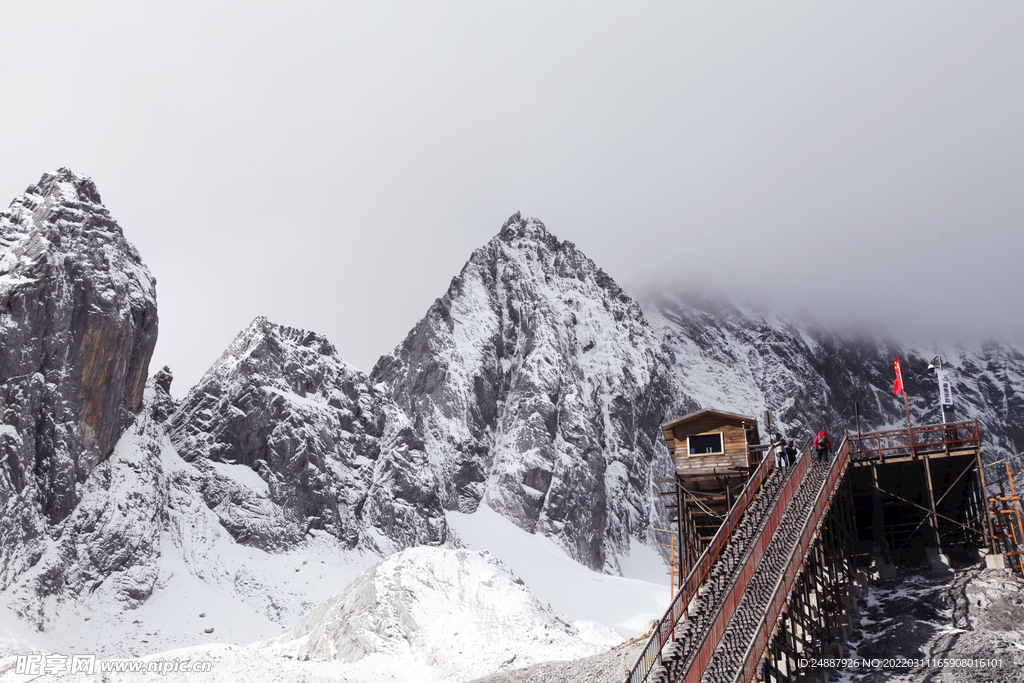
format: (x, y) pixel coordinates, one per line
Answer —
(334, 453)
(163, 404)
(538, 389)
(78, 325)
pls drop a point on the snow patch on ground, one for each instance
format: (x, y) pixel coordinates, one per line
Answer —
(422, 615)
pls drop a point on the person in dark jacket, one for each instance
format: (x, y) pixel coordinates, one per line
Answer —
(822, 446)
(791, 453)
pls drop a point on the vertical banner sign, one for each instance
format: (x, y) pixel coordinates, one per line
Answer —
(945, 388)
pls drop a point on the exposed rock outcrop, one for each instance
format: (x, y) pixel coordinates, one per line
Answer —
(78, 325)
(334, 452)
(968, 627)
(110, 541)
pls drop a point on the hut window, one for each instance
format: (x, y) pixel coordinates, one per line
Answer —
(706, 443)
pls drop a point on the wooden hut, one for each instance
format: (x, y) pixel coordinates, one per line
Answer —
(713, 458)
(711, 440)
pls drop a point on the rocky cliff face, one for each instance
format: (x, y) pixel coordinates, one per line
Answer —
(538, 389)
(334, 453)
(78, 325)
(110, 542)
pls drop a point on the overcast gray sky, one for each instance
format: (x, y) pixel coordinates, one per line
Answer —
(332, 165)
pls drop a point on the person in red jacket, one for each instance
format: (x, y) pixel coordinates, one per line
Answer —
(822, 446)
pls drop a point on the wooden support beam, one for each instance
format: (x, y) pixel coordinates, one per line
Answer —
(921, 507)
(877, 515)
(931, 500)
(984, 497)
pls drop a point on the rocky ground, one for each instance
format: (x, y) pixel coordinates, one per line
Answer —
(610, 667)
(974, 617)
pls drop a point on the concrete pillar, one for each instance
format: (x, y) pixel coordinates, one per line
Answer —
(994, 561)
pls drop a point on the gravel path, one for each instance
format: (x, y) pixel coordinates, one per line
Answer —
(611, 667)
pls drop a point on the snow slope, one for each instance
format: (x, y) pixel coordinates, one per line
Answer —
(145, 557)
(625, 602)
(424, 614)
(461, 614)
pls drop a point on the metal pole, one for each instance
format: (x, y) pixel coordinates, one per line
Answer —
(931, 499)
(1016, 508)
(985, 502)
(910, 428)
(684, 555)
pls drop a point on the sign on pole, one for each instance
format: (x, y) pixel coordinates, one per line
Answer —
(945, 388)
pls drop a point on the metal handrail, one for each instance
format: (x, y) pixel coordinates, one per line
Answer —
(746, 573)
(915, 440)
(697, 575)
(786, 580)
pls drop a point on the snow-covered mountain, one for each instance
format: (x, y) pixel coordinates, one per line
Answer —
(332, 452)
(538, 388)
(727, 355)
(78, 325)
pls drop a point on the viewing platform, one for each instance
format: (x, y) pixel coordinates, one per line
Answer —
(773, 559)
(955, 439)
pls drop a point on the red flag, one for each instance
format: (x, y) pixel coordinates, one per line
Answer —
(897, 386)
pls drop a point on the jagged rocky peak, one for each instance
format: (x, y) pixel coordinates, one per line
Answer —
(516, 227)
(538, 388)
(78, 324)
(334, 453)
(265, 348)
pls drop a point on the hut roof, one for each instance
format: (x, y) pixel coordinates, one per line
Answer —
(706, 412)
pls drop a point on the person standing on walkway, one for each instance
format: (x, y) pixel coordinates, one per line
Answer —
(791, 453)
(779, 445)
(822, 446)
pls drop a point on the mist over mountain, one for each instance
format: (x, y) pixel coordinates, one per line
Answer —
(810, 375)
